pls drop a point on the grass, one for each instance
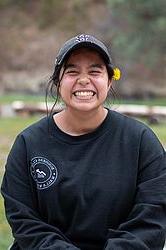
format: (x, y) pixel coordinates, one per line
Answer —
(148, 102)
(160, 131)
(9, 128)
(9, 98)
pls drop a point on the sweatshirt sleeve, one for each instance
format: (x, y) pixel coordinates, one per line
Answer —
(29, 230)
(145, 226)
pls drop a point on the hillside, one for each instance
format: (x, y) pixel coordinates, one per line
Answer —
(32, 31)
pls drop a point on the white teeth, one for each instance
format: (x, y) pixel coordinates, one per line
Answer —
(83, 93)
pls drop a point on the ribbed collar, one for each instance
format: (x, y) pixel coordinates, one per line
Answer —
(59, 134)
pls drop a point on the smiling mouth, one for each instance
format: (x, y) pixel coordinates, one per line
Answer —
(84, 93)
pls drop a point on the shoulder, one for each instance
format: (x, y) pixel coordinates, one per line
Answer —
(126, 123)
(34, 132)
(30, 136)
(36, 128)
(133, 131)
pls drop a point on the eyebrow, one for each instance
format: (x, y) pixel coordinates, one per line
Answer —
(70, 65)
(95, 65)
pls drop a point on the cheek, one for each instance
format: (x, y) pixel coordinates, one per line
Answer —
(103, 85)
(103, 91)
(65, 88)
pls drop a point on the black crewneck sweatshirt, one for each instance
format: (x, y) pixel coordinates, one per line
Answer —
(101, 190)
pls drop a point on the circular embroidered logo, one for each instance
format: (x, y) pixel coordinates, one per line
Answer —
(43, 172)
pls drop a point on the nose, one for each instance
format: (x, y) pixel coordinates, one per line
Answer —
(83, 80)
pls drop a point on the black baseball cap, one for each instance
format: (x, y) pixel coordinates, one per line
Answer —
(80, 41)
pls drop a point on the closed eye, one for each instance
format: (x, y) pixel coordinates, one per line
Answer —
(95, 72)
(72, 72)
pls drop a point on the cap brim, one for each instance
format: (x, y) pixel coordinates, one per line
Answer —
(84, 44)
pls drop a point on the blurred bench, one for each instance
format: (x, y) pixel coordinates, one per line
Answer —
(152, 113)
(25, 109)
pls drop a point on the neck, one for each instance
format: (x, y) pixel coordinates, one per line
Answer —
(78, 123)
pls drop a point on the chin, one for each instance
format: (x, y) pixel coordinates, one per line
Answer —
(86, 107)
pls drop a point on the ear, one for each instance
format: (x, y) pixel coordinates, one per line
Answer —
(109, 84)
(59, 89)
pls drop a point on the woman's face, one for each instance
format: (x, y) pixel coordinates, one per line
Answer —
(85, 83)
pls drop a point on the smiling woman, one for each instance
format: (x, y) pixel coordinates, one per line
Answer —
(83, 88)
(87, 177)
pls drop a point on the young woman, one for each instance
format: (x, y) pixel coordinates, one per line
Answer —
(87, 177)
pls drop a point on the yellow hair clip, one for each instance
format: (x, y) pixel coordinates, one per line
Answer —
(117, 74)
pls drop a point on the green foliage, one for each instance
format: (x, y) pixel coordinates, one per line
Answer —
(139, 34)
(8, 3)
(4, 3)
(66, 14)
(50, 12)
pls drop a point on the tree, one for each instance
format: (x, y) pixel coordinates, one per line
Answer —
(139, 30)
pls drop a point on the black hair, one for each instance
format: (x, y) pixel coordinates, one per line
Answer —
(52, 89)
